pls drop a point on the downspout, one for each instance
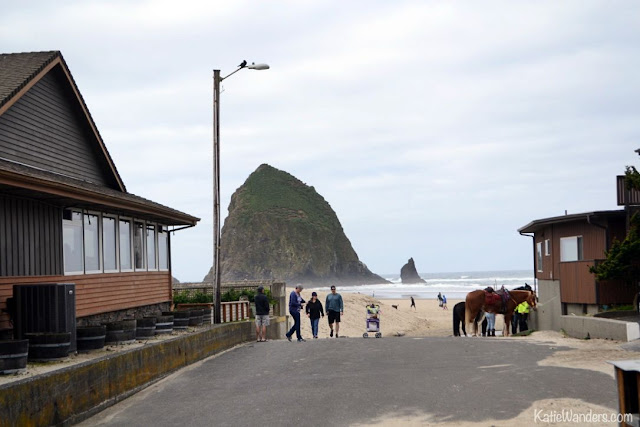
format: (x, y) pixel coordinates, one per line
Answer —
(606, 248)
(533, 241)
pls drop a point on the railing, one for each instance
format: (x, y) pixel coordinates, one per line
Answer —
(234, 311)
(626, 196)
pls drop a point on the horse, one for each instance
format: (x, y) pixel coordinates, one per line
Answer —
(475, 304)
(458, 318)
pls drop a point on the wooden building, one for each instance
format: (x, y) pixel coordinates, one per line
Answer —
(564, 248)
(65, 214)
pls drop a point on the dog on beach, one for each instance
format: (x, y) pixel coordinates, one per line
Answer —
(394, 306)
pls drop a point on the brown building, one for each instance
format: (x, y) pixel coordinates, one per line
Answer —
(564, 248)
(65, 214)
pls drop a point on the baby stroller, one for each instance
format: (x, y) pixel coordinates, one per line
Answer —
(373, 321)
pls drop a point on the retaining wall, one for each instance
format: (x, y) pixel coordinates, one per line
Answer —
(73, 394)
(597, 327)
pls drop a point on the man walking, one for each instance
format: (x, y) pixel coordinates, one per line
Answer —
(262, 315)
(335, 308)
(295, 304)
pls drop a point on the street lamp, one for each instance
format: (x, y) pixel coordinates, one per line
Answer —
(216, 179)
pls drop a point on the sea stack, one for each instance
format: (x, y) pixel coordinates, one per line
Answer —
(409, 274)
(280, 228)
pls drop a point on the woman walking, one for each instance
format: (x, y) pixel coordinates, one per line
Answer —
(314, 311)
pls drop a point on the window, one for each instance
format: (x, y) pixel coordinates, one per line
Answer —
(72, 242)
(125, 244)
(91, 243)
(109, 238)
(539, 256)
(571, 248)
(151, 246)
(547, 247)
(138, 245)
(163, 248)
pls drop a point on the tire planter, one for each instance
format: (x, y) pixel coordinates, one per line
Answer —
(164, 324)
(146, 328)
(181, 319)
(13, 356)
(91, 337)
(195, 317)
(121, 332)
(48, 346)
(207, 314)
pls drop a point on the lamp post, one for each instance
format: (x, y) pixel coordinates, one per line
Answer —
(216, 179)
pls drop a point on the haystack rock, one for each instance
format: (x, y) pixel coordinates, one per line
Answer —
(409, 274)
(280, 228)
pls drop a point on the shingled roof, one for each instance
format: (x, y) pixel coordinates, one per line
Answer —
(17, 69)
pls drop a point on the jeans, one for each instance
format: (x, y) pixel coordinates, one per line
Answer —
(314, 326)
(491, 321)
(523, 322)
(296, 325)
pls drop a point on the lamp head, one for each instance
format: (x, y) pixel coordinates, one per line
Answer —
(254, 66)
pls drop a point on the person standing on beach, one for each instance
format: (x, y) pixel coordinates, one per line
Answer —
(295, 304)
(444, 303)
(491, 324)
(413, 304)
(523, 312)
(262, 315)
(314, 311)
(439, 299)
(335, 308)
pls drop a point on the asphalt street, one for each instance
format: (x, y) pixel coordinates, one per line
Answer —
(354, 380)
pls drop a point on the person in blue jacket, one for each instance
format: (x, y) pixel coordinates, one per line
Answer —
(295, 304)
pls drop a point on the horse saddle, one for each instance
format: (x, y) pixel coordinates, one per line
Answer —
(491, 298)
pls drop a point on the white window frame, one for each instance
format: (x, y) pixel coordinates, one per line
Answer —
(547, 247)
(116, 224)
(131, 260)
(539, 257)
(565, 242)
(81, 271)
(100, 254)
(144, 245)
(155, 245)
(165, 230)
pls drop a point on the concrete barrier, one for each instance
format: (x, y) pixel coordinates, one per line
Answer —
(597, 327)
(72, 394)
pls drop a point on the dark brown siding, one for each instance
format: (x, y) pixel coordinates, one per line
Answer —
(30, 238)
(577, 285)
(615, 292)
(47, 129)
(101, 293)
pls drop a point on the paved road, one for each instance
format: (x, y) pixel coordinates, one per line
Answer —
(331, 382)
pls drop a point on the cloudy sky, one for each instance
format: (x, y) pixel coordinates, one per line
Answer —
(435, 129)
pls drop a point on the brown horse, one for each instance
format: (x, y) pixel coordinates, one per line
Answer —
(475, 303)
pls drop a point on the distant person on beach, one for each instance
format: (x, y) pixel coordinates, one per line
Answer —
(262, 315)
(314, 311)
(335, 308)
(444, 302)
(439, 299)
(413, 304)
(295, 304)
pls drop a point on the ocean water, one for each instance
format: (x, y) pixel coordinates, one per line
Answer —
(455, 285)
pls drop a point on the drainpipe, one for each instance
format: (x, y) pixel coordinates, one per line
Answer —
(533, 241)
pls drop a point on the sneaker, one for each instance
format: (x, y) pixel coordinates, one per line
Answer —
(331, 333)
(288, 337)
(302, 340)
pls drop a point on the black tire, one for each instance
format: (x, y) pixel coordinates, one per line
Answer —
(91, 337)
(164, 324)
(195, 317)
(121, 332)
(13, 356)
(146, 328)
(48, 346)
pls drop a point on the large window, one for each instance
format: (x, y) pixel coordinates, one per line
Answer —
(151, 247)
(109, 239)
(124, 227)
(571, 248)
(72, 242)
(138, 245)
(94, 242)
(163, 248)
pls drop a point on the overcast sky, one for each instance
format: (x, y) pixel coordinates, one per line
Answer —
(435, 129)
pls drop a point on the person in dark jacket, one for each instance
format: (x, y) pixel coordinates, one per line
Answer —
(295, 304)
(314, 311)
(262, 315)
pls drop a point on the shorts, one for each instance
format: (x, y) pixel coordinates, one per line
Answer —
(262, 320)
(333, 316)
